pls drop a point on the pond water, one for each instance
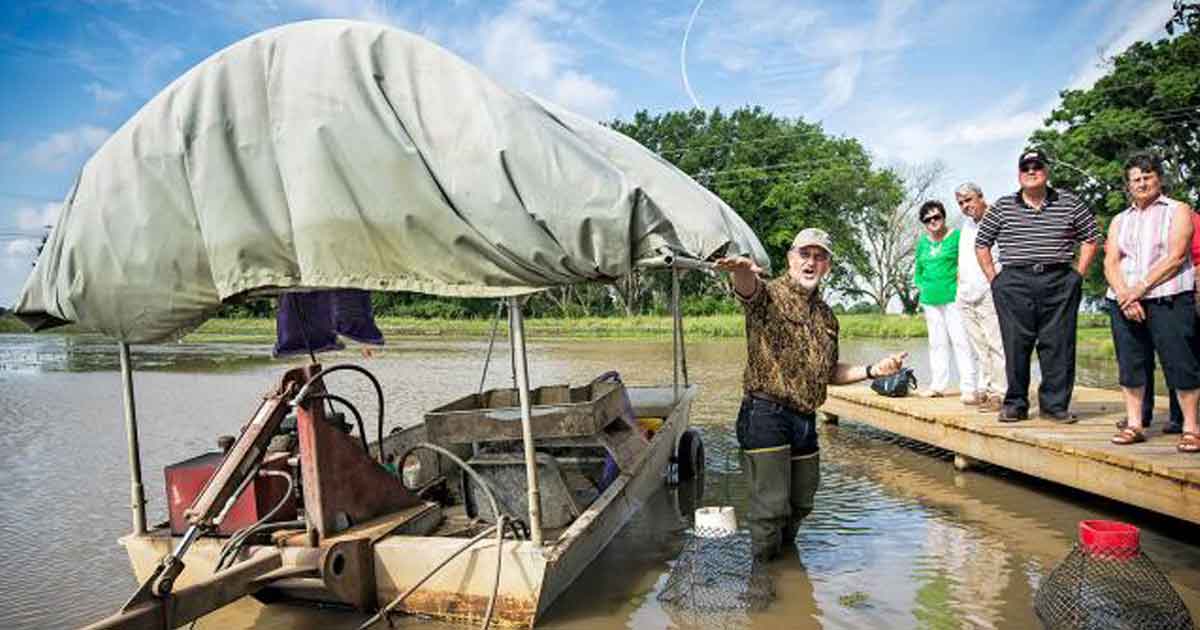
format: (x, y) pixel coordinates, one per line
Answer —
(898, 539)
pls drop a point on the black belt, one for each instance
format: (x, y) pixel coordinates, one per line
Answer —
(1039, 267)
(779, 401)
(771, 399)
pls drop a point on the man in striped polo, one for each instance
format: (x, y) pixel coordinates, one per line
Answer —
(1037, 293)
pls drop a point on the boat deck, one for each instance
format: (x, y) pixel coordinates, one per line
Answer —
(1152, 475)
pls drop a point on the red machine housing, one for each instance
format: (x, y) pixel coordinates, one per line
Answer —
(186, 479)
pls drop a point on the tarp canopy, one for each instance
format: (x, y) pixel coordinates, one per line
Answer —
(338, 154)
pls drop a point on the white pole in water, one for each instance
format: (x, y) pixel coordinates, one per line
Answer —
(135, 453)
(531, 478)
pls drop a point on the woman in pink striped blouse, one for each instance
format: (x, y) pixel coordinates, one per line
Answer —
(1151, 298)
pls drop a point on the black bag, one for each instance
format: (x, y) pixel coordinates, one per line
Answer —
(897, 385)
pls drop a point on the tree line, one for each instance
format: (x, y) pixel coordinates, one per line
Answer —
(781, 174)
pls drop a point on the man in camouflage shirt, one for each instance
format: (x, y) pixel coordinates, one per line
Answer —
(792, 341)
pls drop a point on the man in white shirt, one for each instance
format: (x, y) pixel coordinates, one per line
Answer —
(975, 302)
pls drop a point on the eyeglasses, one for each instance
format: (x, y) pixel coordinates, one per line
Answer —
(1032, 167)
(931, 218)
(815, 256)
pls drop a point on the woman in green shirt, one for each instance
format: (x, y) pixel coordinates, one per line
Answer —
(936, 277)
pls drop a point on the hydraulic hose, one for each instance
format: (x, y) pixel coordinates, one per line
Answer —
(362, 432)
(303, 394)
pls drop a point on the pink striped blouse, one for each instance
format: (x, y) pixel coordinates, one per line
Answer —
(1143, 240)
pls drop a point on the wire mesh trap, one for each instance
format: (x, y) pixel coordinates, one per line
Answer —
(1106, 582)
(716, 578)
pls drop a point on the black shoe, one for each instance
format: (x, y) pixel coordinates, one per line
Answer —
(1173, 429)
(1011, 415)
(1064, 417)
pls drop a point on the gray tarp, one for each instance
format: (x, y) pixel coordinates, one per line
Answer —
(340, 154)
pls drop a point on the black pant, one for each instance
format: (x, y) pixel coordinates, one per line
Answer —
(1175, 419)
(1038, 309)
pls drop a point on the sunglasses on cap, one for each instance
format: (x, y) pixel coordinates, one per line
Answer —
(1032, 166)
(931, 218)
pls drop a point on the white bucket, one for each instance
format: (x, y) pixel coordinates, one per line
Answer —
(715, 522)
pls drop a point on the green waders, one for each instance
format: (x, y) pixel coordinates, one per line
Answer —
(782, 489)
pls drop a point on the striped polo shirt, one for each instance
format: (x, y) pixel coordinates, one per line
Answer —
(1143, 239)
(1046, 235)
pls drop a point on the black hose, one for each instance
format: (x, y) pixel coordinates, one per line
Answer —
(487, 489)
(235, 542)
(303, 394)
(362, 432)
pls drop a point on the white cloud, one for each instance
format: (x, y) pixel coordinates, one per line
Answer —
(24, 248)
(517, 50)
(64, 147)
(580, 93)
(839, 83)
(1145, 24)
(38, 218)
(103, 95)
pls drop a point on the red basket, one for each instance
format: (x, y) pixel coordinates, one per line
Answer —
(1110, 539)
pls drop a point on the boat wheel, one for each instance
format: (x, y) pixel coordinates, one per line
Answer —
(690, 455)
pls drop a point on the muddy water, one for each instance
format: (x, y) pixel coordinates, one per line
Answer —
(898, 539)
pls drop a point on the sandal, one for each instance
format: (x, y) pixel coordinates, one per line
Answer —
(1133, 436)
(1189, 442)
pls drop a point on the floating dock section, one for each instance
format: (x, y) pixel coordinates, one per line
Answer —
(1152, 475)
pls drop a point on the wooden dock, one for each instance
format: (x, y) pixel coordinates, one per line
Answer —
(1151, 475)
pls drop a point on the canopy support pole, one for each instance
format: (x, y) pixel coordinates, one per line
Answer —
(522, 374)
(131, 434)
(676, 331)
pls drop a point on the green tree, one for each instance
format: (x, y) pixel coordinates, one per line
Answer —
(1149, 100)
(780, 175)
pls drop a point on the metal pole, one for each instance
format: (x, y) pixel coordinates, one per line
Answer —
(135, 453)
(675, 330)
(522, 373)
(682, 341)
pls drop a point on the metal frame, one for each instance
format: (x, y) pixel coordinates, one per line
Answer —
(521, 369)
(136, 490)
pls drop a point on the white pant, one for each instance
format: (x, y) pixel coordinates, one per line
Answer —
(983, 330)
(945, 330)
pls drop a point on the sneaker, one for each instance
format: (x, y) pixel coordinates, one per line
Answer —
(1062, 417)
(1173, 429)
(1011, 415)
(993, 404)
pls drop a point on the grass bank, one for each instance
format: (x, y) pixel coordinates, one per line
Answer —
(1093, 329)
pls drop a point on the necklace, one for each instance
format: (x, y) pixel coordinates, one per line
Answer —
(935, 247)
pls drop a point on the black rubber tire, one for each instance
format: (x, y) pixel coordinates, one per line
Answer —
(690, 455)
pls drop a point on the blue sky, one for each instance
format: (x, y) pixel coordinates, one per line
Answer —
(962, 82)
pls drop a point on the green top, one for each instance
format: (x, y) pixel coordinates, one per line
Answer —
(936, 276)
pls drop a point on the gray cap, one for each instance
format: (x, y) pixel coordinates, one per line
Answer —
(813, 236)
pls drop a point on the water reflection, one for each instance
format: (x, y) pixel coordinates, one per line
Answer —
(898, 538)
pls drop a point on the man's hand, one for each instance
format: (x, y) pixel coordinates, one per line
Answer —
(745, 274)
(1134, 312)
(737, 263)
(889, 365)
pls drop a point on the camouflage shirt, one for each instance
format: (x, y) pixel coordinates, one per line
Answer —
(792, 344)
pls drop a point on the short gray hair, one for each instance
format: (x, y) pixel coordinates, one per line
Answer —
(969, 187)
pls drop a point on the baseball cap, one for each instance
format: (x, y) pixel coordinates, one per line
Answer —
(813, 236)
(1032, 155)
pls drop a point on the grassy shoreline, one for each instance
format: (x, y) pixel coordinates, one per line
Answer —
(1093, 329)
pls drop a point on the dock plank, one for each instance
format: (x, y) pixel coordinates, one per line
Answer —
(1151, 475)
